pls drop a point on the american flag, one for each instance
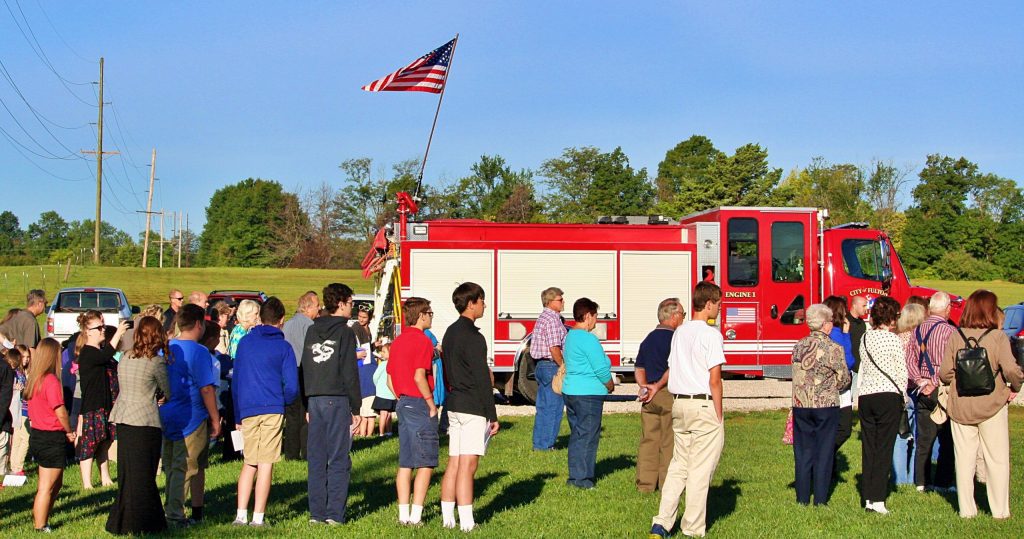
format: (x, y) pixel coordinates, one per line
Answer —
(426, 74)
(740, 315)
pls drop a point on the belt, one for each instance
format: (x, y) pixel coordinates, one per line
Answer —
(698, 397)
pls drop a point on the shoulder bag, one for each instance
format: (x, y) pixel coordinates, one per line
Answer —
(905, 430)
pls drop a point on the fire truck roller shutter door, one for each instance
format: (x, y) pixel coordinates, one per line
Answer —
(434, 275)
(647, 278)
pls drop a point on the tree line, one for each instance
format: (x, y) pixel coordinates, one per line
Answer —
(960, 222)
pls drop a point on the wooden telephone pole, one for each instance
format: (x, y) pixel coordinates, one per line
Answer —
(99, 174)
(149, 207)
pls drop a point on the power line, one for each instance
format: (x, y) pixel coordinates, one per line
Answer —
(41, 54)
(15, 144)
(10, 80)
(60, 37)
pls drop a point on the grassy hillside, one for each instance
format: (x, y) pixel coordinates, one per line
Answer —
(1009, 293)
(144, 286)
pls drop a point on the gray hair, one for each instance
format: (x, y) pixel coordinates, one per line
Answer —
(910, 317)
(817, 316)
(549, 294)
(35, 296)
(248, 313)
(669, 307)
(938, 303)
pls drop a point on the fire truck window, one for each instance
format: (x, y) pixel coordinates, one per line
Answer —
(742, 252)
(788, 252)
(862, 259)
(794, 314)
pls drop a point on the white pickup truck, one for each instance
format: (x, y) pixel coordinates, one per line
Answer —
(62, 318)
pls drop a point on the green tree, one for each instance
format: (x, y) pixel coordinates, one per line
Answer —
(585, 183)
(366, 203)
(937, 222)
(48, 233)
(492, 192)
(744, 178)
(240, 223)
(80, 236)
(11, 235)
(683, 176)
(823, 185)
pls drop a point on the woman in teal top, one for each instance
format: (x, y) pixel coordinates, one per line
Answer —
(588, 378)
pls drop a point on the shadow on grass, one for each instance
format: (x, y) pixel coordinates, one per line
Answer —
(518, 494)
(722, 500)
(611, 465)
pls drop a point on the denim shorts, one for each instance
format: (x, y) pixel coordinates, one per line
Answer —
(418, 443)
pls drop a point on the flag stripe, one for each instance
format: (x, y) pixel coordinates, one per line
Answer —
(425, 74)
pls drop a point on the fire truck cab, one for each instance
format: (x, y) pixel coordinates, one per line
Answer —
(772, 263)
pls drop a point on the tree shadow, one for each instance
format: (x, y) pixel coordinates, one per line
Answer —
(722, 500)
(518, 494)
(358, 444)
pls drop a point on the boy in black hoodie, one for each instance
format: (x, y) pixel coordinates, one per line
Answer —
(331, 379)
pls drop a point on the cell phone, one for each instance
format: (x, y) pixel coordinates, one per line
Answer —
(130, 323)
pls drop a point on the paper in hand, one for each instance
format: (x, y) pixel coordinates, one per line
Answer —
(237, 441)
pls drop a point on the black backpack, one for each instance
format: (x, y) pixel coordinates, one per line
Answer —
(974, 376)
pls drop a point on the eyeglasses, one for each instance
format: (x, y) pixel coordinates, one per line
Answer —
(429, 313)
(92, 328)
(179, 298)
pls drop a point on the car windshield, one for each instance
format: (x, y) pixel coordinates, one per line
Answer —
(73, 302)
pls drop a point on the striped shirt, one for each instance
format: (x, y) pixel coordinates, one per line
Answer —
(936, 346)
(548, 332)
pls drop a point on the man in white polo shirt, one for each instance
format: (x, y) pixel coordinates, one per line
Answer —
(695, 381)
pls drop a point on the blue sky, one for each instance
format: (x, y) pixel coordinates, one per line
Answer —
(229, 90)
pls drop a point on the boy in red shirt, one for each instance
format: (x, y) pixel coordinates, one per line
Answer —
(411, 379)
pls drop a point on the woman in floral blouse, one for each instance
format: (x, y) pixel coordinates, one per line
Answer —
(819, 375)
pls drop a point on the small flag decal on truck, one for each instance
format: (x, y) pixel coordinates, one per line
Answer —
(740, 315)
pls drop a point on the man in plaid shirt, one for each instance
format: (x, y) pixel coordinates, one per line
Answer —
(546, 350)
(923, 375)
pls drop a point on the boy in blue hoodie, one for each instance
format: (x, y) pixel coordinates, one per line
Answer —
(266, 379)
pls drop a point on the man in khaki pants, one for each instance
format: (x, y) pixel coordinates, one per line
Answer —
(656, 443)
(695, 381)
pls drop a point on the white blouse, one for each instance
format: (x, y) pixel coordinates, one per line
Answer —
(887, 351)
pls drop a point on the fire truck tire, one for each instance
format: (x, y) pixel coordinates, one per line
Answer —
(526, 384)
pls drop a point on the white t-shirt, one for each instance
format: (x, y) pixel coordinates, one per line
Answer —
(696, 349)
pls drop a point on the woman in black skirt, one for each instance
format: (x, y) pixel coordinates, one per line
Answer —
(142, 375)
(95, 357)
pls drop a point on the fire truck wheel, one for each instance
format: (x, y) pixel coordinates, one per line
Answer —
(526, 384)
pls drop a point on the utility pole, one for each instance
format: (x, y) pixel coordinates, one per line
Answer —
(99, 173)
(179, 240)
(188, 245)
(162, 238)
(149, 208)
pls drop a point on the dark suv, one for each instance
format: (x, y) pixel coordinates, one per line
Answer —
(1013, 326)
(234, 296)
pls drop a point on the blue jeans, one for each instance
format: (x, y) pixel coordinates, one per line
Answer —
(549, 407)
(327, 455)
(905, 450)
(584, 434)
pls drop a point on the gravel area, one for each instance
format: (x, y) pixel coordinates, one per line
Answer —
(740, 396)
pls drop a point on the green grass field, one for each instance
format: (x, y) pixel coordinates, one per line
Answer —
(143, 286)
(523, 494)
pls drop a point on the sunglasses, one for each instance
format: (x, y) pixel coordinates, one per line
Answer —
(429, 313)
(94, 328)
(179, 298)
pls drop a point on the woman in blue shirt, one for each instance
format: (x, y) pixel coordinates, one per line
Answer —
(840, 335)
(588, 378)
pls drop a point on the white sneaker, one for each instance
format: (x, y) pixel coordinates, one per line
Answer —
(920, 488)
(879, 507)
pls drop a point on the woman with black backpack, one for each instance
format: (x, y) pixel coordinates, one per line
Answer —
(983, 377)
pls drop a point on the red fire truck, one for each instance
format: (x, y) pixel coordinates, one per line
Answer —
(770, 262)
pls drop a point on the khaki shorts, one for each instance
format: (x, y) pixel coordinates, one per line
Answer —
(467, 434)
(197, 450)
(262, 437)
(366, 408)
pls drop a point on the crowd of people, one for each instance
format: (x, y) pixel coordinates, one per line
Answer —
(162, 386)
(932, 399)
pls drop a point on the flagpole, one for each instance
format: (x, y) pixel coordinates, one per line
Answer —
(444, 85)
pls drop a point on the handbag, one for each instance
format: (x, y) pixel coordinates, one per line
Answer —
(787, 435)
(559, 379)
(905, 430)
